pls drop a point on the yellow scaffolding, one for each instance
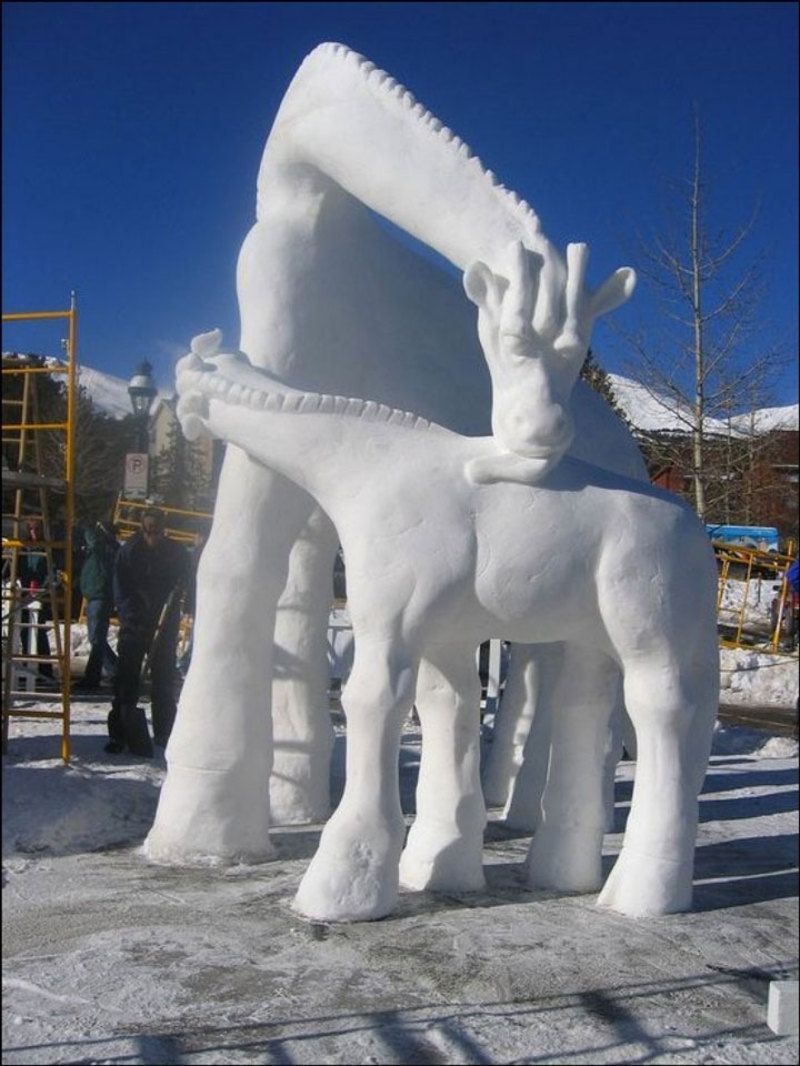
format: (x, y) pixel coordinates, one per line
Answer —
(184, 524)
(747, 618)
(27, 491)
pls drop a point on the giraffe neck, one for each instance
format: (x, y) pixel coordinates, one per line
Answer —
(344, 121)
(312, 438)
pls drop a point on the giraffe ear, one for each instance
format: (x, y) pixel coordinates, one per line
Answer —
(613, 292)
(207, 344)
(481, 285)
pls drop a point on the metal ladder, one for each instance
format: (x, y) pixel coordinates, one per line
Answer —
(32, 493)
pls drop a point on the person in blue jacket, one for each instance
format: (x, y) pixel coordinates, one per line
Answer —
(793, 577)
(150, 579)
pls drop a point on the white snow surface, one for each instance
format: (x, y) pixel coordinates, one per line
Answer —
(648, 409)
(769, 418)
(758, 678)
(108, 959)
(109, 394)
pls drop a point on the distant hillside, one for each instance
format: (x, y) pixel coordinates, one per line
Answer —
(650, 412)
(110, 394)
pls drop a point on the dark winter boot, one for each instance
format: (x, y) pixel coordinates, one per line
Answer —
(116, 743)
(137, 738)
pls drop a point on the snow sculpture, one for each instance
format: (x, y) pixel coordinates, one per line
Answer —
(330, 301)
(438, 561)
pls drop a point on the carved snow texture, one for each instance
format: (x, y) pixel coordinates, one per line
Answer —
(212, 383)
(388, 90)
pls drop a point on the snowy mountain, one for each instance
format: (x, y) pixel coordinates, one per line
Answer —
(108, 393)
(769, 418)
(650, 411)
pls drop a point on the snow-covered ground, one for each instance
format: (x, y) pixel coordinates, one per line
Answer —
(110, 960)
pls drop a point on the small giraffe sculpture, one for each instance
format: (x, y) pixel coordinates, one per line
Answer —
(440, 560)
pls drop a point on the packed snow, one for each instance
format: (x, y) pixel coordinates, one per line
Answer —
(108, 959)
(757, 678)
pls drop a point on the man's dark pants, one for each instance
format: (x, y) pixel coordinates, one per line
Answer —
(126, 722)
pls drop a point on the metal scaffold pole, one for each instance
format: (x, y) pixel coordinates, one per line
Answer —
(36, 483)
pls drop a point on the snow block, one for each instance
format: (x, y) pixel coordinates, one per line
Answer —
(782, 1007)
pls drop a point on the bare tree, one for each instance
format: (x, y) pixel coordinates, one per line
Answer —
(698, 364)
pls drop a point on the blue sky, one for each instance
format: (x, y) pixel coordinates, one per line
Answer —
(132, 135)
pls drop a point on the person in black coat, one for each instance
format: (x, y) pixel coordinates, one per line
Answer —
(150, 579)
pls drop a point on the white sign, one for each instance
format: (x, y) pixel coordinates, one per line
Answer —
(135, 485)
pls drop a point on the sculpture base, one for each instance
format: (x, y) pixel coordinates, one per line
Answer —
(210, 818)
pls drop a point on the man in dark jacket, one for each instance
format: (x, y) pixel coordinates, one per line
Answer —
(149, 581)
(97, 588)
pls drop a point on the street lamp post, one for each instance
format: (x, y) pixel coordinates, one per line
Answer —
(142, 392)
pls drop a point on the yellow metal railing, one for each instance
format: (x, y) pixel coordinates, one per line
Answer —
(754, 600)
(128, 514)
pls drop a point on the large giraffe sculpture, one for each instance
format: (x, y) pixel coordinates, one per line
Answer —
(333, 302)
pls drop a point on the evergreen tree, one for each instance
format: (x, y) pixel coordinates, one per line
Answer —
(596, 377)
(179, 477)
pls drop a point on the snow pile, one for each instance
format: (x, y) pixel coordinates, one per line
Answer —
(755, 597)
(56, 809)
(758, 678)
(80, 648)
